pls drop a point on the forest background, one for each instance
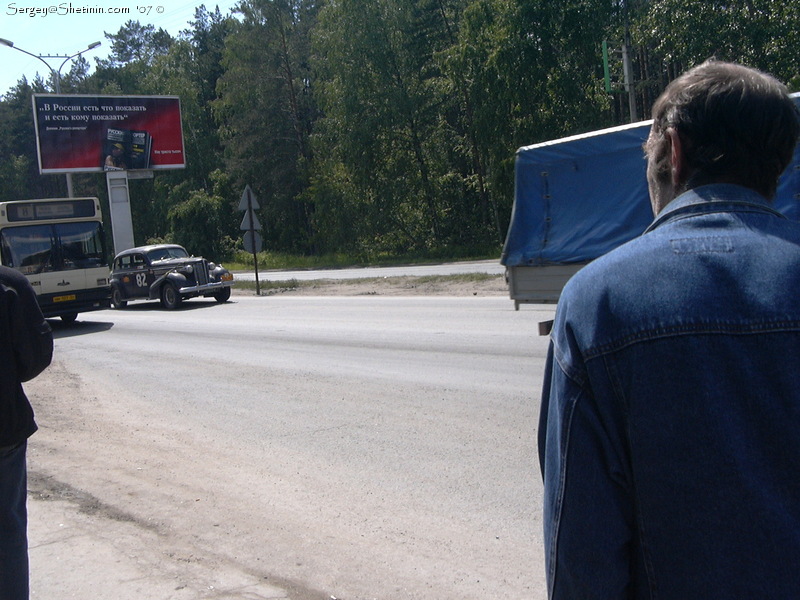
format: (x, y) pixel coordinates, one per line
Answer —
(383, 128)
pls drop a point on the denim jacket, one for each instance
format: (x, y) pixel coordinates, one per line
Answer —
(669, 435)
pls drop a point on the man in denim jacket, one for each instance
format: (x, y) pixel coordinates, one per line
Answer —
(26, 348)
(669, 436)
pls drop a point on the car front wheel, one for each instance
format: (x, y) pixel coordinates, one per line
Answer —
(170, 298)
(223, 295)
(116, 298)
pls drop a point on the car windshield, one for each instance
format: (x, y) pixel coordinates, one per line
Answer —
(167, 253)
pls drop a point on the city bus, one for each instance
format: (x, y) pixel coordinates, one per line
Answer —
(59, 245)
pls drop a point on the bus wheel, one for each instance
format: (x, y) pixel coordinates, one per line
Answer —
(170, 298)
(116, 298)
(69, 317)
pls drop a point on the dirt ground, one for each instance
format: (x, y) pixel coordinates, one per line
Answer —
(392, 286)
(111, 523)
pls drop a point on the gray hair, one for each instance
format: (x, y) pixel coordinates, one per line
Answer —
(736, 124)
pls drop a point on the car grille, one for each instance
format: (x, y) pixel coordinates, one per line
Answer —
(201, 272)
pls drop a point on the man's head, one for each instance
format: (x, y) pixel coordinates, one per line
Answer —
(720, 123)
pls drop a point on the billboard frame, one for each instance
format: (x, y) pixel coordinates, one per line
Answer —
(75, 132)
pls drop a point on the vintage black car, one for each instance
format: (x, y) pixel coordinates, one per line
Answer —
(168, 273)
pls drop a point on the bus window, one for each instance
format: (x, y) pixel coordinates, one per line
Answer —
(28, 249)
(81, 245)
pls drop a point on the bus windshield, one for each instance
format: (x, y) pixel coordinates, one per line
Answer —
(35, 249)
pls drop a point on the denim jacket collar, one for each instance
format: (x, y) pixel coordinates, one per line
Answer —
(712, 198)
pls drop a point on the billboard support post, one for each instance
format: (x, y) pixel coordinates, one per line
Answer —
(120, 206)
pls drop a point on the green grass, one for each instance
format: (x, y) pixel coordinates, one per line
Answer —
(243, 261)
(266, 286)
(457, 277)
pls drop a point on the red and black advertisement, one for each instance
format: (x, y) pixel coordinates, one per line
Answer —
(83, 134)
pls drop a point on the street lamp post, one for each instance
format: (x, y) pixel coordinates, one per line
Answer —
(56, 74)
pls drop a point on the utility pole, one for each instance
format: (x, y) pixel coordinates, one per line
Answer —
(627, 68)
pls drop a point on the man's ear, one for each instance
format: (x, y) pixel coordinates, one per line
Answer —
(677, 158)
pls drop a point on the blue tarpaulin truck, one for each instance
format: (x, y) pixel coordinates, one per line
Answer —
(577, 198)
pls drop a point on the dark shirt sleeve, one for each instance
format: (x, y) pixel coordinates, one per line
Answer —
(31, 336)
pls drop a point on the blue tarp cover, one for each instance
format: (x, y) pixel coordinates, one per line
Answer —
(579, 197)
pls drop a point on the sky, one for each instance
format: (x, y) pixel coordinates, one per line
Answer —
(65, 27)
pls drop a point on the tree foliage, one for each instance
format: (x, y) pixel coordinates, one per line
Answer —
(265, 109)
(137, 43)
(384, 126)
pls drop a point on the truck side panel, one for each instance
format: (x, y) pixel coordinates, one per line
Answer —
(579, 197)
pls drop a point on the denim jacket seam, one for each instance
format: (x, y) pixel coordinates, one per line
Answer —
(647, 560)
(644, 545)
(578, 376)
(719, 328)
(639, 520)
(706, 207)
(552, 551)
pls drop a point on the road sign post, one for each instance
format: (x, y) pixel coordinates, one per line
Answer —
(250, 225)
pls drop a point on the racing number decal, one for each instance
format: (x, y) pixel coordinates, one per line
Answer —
(141, 279)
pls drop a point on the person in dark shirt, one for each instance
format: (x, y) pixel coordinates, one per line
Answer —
(26, 348)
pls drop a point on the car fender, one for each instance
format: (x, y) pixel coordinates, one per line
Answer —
(217, 273)
(173, 277)
(116, 283)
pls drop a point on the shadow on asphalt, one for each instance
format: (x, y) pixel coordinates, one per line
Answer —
(62, 329)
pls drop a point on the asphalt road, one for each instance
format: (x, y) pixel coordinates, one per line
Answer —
(334, 447)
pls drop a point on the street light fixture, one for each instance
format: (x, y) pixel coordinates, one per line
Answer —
(56, 74)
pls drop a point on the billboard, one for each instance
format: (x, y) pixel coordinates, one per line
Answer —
(84, 134)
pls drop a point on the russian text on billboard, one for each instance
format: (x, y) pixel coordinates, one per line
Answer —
(77, 133)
